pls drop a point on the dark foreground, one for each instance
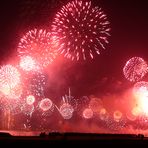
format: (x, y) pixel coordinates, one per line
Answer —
(73, 139)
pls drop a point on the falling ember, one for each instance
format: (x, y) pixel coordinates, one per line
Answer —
(37, 83)
(87, 113)
(30, 99)
(27, 109)
(79, 30)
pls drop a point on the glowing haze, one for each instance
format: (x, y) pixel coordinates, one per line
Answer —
(140, 91)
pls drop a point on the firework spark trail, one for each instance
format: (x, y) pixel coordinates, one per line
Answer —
(80, 30)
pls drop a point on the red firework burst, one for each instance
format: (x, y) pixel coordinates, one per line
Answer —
(66, 111)
(30, 100)
(80, 30)
(36, 44)
(27, 63)
(9, 77)
(46, 104)
(87, 113)
(135, 69)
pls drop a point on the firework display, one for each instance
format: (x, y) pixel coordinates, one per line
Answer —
(10, 105)
(10, 89)
(83, 103)
(95, 104)
(136, 111)
(32, 85)
(135, 69)
(9, 77)
(68, 106)
(130, 116)
(35, 84)
(117, 116)
(30, 99)
(141, 88)
(27, 109)
(141, 122)
(103, 114)
(66, 110)
(13, 93)
(80, 30)
(46, 105)
(115, 125)
(87, 113)
(36, 44)
(27, 63)
(140, 91)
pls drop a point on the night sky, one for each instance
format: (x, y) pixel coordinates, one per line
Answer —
(129, 33)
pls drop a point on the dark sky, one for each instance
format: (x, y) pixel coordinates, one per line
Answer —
(129, 36)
